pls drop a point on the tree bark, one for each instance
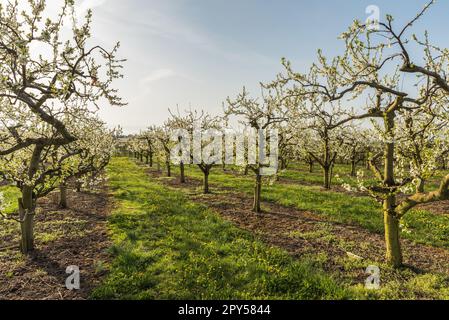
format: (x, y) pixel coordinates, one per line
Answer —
(327, 178)
(26, 214)
(353, 168)
(168, 168)
(331, 176)
(257, 193)
(63, 196)
(392, 234)
(310, 167)
(182, 169)
(391, 220)
(283, 163)
(206, 182)
(27, 204)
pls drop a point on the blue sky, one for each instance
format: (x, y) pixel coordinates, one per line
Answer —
(197, 52)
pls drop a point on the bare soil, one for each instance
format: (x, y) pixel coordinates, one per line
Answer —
(82, 240)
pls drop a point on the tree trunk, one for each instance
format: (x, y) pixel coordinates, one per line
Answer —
(26, 214)
(182, 169)
(246, 170)
(327, 177)
(392, 234)
(257, 193)
(353, 168)
(151, 160)
(147, 159)
(63, 196)
(331, 175)
(78, 186)
(168, 168)
(27, 204)
(283, 164)
(310, 167)
(206, 182)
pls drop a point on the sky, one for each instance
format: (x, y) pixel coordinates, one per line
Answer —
(196, 53)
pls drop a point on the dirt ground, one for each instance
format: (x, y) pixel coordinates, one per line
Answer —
(302, 232)
(80, 239)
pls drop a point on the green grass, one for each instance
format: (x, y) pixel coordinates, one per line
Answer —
(10, 196)
(299, 172)
(9, 229)
(167, 247)
(45, 231)
(420, 226)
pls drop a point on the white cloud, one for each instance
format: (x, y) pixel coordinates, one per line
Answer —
(150, 79)
(158, 75)
(172, 27)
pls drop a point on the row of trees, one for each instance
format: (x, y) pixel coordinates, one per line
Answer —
(375, 104)
(51, 84)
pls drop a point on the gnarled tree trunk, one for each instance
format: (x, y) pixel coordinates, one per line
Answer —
(78, 186)
(391, 221)
(151, 159)
(167, 164)
(327, 177)
(63, 195)
(353, 168)
(26, 215)
(206, 182)
(183, 175)
(257, 193)
(27, 204)
(392, 233)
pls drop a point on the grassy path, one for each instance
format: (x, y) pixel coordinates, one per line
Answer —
(167, 247)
